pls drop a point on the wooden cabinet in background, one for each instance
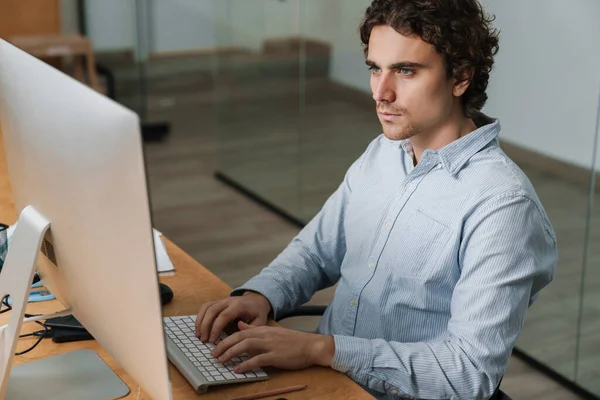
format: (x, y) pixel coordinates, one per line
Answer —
(29, 17)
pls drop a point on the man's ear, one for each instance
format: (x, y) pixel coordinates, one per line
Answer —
(462, 83)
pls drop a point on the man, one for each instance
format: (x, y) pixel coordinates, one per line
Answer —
(436, 238)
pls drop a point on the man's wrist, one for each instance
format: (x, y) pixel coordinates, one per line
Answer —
(263, 299)
(323, 350)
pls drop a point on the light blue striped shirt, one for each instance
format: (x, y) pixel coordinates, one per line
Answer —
(436, 266)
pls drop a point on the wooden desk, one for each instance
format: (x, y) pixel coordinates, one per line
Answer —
(193, 285)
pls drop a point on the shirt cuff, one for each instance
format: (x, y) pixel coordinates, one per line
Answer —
(267, 289)
(352, 356)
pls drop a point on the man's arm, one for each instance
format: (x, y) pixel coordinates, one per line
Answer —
(312, 260)
(507, 255)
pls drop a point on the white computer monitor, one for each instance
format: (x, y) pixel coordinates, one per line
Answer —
(75, 157)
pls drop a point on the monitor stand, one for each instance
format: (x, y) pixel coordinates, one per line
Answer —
(75, 375)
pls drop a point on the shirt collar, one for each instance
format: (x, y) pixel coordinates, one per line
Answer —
(455, 155)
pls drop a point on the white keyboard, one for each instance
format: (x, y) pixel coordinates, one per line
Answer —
(192, 357)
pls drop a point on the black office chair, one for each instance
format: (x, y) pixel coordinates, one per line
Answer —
(318, 311)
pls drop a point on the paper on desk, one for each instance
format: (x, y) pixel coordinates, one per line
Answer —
(164, 265)
(10, 230)
(163, 262)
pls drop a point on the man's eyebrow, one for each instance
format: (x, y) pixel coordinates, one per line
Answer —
(406, 64)
(398, 65)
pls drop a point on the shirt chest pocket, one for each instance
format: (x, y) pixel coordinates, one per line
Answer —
(415, 248)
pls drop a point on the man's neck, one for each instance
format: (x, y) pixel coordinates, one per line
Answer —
(452, 129)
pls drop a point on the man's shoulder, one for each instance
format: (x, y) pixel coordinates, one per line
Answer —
(495, 173)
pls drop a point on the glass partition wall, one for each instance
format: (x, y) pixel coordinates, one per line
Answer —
(259, 91)
(286, 93)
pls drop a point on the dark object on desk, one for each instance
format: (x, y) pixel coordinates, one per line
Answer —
(311, 311)
(64, 335)
(166, 294)
(68, 321)
(67, 329)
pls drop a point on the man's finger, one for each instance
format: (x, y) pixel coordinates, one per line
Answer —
(242, 326)
(257, 322)
(222, 320)
(261, 360)
(248, 346)
(228, 342)
(209, 317)
(200, 316)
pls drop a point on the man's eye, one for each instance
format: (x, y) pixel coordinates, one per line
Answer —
(406, 71)
(374, 69)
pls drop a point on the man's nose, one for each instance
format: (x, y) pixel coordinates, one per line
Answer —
(384, 90)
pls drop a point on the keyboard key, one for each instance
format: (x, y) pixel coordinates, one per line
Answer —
(261, 374)
(215, 373)
(219, 378)
(210, 378)
(239, 376)
(250, 375)
(227, 375)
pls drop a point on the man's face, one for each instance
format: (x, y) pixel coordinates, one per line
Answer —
(409, 84)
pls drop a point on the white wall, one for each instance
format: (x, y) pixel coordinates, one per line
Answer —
(281, 18)
(545, 85)
(242, 24)
(69, 19)
(348, 60)
(110, 24)
(177, 25)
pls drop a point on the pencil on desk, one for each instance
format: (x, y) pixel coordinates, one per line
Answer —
(271, 393)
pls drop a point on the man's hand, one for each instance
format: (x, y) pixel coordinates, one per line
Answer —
(213, 317)
(276, 347)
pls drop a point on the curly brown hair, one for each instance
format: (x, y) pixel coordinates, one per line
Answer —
(460, 31)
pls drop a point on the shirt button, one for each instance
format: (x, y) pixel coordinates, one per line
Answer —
(388, 224)
(371, 265)
(393, 391)
(409, 186)
(353, 302)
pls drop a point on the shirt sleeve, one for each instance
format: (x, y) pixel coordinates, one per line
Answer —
(312, 261)
(507, 255)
